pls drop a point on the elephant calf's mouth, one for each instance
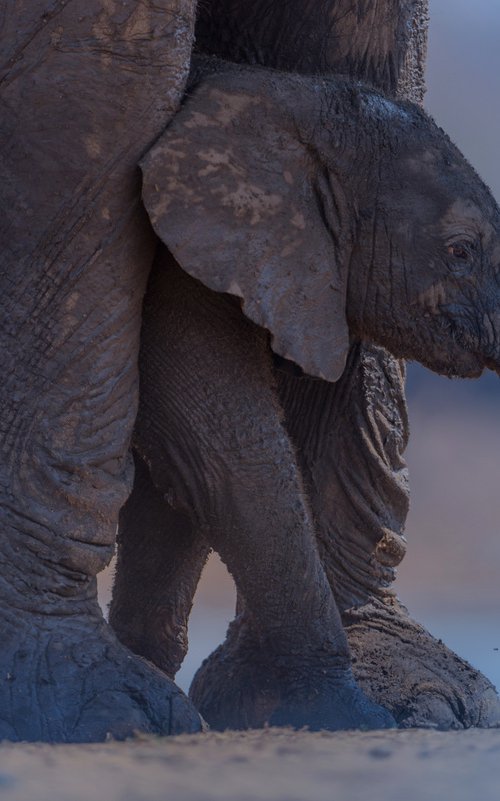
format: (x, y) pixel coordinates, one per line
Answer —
(493, 364)
(454, 348)
(465, 343)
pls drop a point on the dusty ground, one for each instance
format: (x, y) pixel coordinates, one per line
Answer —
(274, 765)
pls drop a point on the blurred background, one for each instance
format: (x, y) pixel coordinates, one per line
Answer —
(449, 578)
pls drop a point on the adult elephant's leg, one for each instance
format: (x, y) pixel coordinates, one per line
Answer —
(85, 88)
(210, 427)
(160, 559)
(351, 438)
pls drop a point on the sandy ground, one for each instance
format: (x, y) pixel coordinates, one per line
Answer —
(272, 765)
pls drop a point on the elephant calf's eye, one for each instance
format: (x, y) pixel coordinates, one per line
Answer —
(460, 250)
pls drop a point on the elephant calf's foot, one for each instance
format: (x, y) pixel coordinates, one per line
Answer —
(335, 703)
(238, 687)
(424, 684)
(70, 680)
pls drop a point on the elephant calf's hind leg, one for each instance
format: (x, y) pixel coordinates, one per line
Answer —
(160, 559)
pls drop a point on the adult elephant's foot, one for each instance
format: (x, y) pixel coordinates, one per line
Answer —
(240, 687)
(68, 679)
(424, 684)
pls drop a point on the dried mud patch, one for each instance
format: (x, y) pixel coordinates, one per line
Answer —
(272, 765)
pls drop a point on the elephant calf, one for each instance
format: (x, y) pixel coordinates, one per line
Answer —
(301, 216)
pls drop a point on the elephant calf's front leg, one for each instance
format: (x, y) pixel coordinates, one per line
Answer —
(210, 428)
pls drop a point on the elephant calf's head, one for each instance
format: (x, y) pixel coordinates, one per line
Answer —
(333, 213)
(425, 270)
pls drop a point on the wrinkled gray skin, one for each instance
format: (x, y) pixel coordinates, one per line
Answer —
(86, 87)
(348, 437)
(370, 224)
(101, 82)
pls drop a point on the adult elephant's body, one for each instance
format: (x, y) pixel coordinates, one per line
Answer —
(85, 89)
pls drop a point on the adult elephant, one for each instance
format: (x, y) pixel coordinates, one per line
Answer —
(349, 436)
(86, 87)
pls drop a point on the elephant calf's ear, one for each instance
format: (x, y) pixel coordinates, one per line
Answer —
(233, 194)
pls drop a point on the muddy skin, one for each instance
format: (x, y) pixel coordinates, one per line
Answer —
(381, 43)
(359, 538)
(160, 558)
(219, 368)
(371, 225)
(362, 432)
(248, 681)
(76, 251)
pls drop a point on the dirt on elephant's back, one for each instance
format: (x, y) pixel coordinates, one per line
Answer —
(272, 765)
